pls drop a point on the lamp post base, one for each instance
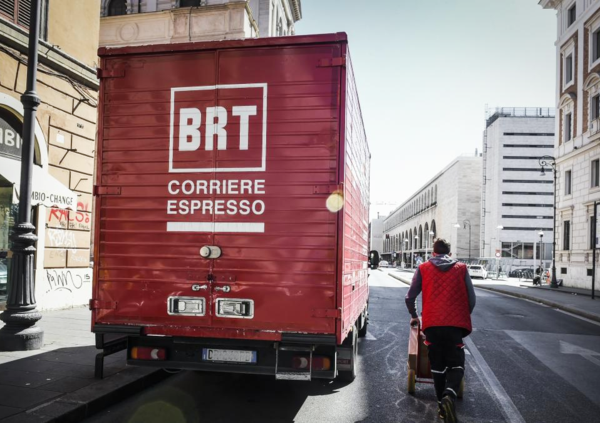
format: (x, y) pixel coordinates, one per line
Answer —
(20, 332)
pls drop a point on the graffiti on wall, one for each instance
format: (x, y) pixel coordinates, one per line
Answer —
(70, 219)
(67, 279)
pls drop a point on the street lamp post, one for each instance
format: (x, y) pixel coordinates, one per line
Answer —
(405, 248)
(465, 224)
(20, 332)
(551, 162)
(415, 247)
(500, 227)
(430, 242)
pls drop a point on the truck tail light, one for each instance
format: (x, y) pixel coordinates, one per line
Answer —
(318, 362)
(148, 353)
(231, 307)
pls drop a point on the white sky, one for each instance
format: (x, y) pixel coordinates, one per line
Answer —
(426, 69)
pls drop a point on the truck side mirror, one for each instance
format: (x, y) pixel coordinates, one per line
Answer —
(373, 259)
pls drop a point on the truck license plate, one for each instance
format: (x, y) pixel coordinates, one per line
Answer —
(228, 356)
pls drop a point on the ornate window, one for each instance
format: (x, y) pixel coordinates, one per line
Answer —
(117, 8)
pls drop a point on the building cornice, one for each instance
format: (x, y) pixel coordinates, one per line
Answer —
(550, 4)
(49, 55)
(296, 10)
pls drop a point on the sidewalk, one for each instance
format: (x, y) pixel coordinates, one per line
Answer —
(56, 383)
(572, 300)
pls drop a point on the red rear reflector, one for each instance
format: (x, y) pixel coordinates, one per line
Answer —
(318, 362)
(148, 353)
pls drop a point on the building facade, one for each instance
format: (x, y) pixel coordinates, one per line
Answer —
(65, 131)
(376, 235)
(448, 206)
(517, 202)
(577, 131)
(138, 22)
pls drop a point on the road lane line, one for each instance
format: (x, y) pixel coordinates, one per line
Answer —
(493, 386)
(578, 317)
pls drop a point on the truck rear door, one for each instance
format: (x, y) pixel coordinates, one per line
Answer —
(215, 168)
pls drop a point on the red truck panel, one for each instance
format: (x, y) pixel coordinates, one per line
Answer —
(284, 133)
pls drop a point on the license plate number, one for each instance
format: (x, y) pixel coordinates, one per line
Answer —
(228, 356)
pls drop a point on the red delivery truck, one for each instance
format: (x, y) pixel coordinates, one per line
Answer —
(232, 196)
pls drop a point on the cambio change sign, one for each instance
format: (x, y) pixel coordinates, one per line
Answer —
(217, 129)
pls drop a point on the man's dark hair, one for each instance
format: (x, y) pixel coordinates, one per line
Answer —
(441, 246)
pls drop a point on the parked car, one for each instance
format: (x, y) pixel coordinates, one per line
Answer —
(384, 263)
(521, 273)
(477, 271)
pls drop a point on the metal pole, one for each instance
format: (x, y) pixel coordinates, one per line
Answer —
(553, 282)
(20, 332)
(594, 249)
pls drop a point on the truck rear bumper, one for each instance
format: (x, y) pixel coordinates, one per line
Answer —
(272, 358)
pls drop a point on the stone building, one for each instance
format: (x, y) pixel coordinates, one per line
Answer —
(65, 130)
(517, 202)
(376, 235)
(577, 131)
(448, 206)
(137, 22)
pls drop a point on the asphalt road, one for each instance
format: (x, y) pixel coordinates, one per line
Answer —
(525, 363)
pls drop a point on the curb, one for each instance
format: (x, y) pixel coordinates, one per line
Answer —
(83, 403)
(590, 316)
(552, 304)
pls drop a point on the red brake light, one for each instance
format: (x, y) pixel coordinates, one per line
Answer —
(318, 362)
(148, 353)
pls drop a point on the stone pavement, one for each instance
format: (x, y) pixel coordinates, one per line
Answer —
(56, 383)
(572, 300)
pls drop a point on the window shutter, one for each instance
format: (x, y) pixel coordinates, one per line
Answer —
(7, 7)
(24, 13)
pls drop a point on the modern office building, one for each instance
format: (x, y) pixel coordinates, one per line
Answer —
(516, 201)
(448, 206)
(577, 130)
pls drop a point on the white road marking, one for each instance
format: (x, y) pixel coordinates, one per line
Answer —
(567, 348)
(579, 317)
(370, 337)
(493, 386)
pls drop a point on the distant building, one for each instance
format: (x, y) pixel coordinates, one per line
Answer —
(451, 198)
(131, 22)
(517, 202)
(577, 129)
(65, 131)
(376, 235)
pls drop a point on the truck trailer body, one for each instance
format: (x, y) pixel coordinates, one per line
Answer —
(232, 195)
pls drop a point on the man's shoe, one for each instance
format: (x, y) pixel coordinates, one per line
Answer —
(441, 413)
(449, 410)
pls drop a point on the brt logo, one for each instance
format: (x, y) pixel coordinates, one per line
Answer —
(219, 128)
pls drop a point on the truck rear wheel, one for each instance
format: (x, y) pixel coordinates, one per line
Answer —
(364, 320)
(350, 342)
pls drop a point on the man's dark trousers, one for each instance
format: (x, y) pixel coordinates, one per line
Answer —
(447, 359)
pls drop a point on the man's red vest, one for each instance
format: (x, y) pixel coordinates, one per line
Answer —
(445, 298)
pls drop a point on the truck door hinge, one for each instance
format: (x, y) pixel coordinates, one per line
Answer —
(335, 313)
(327, 189)
(102, 305)
(331, 62)
(110, 73)
(100, 190)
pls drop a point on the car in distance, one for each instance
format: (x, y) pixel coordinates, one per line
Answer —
(477, 271)
(384, 263)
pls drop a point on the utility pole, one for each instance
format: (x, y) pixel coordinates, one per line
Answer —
(20, 332)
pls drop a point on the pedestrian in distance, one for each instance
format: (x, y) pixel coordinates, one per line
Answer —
(448, 301)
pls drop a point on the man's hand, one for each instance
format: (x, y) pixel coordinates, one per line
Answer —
(414, 321)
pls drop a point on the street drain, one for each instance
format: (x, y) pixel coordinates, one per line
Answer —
(518, 316)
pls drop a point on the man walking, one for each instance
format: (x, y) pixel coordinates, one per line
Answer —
(448, 301)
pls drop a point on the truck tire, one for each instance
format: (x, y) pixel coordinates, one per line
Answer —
(351, 341)
(364, 320)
